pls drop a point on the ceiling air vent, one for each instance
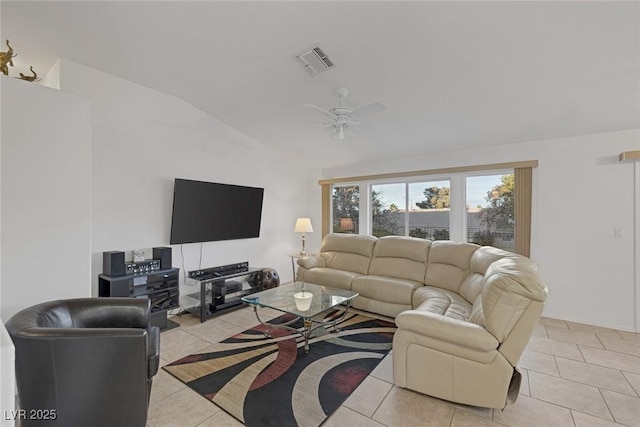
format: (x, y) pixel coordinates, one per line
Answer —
(315, 61)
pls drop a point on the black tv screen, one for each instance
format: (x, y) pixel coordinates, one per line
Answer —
(208, 211)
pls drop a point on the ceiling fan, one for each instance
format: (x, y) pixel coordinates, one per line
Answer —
(344, 117)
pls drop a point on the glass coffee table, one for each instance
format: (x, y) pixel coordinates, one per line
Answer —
(282, 299)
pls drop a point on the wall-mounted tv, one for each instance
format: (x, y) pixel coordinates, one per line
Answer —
(208, 211)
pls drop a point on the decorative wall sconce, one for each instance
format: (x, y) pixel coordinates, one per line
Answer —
(6, 60)
(33, 78)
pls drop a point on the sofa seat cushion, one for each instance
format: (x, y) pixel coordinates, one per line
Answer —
(442, 301)
(385, 289)
(329, 277)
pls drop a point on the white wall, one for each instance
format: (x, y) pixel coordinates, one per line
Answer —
(90, 168)
(581, 193)
(142, 140)
(46, 195)
(7, 350)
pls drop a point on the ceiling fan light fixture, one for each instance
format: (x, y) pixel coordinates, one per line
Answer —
(344, 118)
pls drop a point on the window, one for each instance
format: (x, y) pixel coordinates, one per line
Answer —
(429, 209)
(490, 210)
(388, 203)
(484, 204)
(422, 208)
(346, 209)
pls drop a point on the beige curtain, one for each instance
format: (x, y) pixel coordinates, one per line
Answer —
(326, 206)
(522, 208)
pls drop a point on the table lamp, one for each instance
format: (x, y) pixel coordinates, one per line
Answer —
(346, 224)
(303, 225)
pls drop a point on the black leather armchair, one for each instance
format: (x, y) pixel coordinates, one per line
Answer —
(85, 362)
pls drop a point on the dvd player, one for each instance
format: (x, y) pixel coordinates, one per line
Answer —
(220, 271)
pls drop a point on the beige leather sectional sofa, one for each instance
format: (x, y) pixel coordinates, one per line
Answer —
(464, 313)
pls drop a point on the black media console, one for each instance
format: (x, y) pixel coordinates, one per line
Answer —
(160, 286)
(221, 289)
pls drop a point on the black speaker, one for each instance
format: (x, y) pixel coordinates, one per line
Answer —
(270, 278)
(164, 255)
(113, 263)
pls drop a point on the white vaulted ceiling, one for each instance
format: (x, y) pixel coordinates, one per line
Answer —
(453, 74)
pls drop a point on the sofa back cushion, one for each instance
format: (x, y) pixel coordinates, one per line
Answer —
(449, 264)
(348, 252)
(480, 262)
(400, 257)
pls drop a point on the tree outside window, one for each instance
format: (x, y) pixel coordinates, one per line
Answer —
(435, 198)
(492, 222)
(387, 209)
(429, 217)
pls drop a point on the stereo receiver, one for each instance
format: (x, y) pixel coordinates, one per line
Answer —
(140, 267)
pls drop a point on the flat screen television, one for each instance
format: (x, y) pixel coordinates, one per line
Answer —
(208, 211)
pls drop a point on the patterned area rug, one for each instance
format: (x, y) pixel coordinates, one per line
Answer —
(265, 381)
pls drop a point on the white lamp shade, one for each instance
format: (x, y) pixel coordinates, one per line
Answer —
(303, 225)
(346, 224)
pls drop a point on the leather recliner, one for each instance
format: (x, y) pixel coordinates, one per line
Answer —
(87, 361)
(464, 313)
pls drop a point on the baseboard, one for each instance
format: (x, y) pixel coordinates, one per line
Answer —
(582, 321)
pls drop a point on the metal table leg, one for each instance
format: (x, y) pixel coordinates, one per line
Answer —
(307, 328)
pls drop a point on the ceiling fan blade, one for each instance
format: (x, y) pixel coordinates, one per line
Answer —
(374, 107)
(341, 133)
(322, 110)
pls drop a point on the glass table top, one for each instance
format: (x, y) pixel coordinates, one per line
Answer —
(281, 298)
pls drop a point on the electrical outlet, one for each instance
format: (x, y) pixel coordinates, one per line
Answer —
(617, 232)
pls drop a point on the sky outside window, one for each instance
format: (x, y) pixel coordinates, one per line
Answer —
(477, 189)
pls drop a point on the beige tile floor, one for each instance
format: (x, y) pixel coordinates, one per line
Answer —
(573, 375)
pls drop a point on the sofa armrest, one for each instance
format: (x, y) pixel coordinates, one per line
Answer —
(312, 262)
(447, 329)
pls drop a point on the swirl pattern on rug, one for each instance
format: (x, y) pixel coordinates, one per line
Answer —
(270, 380)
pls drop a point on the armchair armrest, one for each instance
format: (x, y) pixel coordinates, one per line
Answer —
(447, 329)
(64, 333)
(110, 312)
(312, 261)
(153, 350)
